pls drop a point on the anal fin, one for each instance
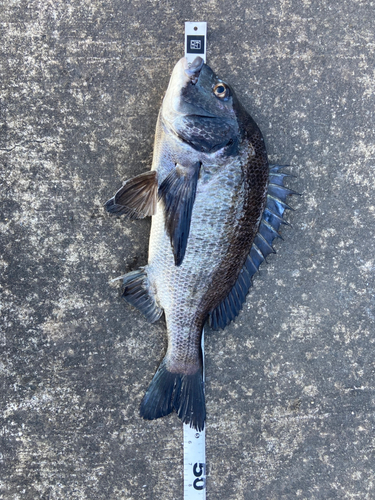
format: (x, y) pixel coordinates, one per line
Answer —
(137, 198)
(136, 291)
(177, 192)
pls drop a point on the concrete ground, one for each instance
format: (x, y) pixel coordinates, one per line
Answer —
(290, 385)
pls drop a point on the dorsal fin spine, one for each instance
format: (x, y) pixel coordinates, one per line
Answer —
(271, 229)
(285, 205)
(267, 245)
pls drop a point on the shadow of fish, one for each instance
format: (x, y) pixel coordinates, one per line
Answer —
(216, 207)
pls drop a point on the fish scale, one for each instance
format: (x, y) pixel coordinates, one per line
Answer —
(216, 208)
(174, 284)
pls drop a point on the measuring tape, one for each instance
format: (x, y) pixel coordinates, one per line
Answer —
(194, 464)
(195, 458)
(194, 441)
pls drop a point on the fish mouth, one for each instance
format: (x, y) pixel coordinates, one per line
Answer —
(193, 70)
(203, 114)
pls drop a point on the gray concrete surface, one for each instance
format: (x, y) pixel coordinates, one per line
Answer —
(290, 385)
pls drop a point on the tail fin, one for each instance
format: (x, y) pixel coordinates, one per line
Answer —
(178, 391)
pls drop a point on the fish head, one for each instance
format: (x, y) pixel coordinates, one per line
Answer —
(199, 108)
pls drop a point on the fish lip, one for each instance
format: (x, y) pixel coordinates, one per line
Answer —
(193, 70)
(194, 67)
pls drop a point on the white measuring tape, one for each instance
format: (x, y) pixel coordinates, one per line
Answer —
(194, 441)
(195, 458)
(194, 464)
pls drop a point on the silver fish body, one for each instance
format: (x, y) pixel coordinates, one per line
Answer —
(213, 222)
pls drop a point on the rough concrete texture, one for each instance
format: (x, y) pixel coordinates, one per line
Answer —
(290, 385)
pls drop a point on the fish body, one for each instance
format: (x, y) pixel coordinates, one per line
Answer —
(214, 218)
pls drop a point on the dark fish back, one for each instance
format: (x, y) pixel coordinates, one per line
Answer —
(255, 174)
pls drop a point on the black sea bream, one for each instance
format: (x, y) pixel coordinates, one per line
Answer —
(216, 207)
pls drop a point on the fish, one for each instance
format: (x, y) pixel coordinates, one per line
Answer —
(216, 206)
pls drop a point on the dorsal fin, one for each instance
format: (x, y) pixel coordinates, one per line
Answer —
(270, 223)
(137, 198)
(178, 194)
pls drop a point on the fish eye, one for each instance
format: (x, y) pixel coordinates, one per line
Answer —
(221, 90)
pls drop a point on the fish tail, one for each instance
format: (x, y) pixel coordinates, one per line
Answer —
(170, 391)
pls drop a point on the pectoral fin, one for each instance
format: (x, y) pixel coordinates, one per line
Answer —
(137, 198)
(177, 192)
